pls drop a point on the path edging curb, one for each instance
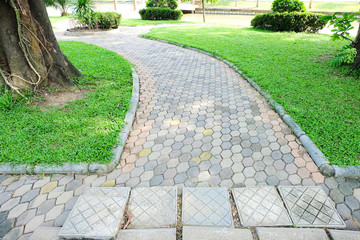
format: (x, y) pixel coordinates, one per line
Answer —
(325, 167)
(85, 168)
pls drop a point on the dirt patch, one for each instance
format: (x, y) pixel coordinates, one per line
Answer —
(59, 97)
(325, 57)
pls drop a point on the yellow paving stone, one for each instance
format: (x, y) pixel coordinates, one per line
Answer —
(175, 122)
(208, 132)
(196, 160)
(205, 156)
(48, 187)
(145, 152)
(109, 183)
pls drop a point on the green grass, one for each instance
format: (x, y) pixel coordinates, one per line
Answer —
(295, 69)
(58, 19)
(135, 22)
(84, 130)
(316, 6)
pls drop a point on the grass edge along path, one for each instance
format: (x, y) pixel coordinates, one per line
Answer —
(295, 69)
(84, 130)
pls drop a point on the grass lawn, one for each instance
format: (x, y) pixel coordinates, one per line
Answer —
(84, 130)
(58, 19)
(316, 6)
(295, 69)
(135, 22)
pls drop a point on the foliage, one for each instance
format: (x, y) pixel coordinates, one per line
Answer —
(342, 26)
(83, 10)
(293, 21)
(84, 130)
(294, 69)
(160, 14)
(172, 4)
(346, 56)
(104, 20)
(63, 5)
(288, 6)
(136, 22)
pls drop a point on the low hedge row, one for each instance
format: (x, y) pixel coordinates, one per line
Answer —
(160, 14)
(103, 20)
(293, 21)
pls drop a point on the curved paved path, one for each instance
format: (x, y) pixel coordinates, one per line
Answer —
(198, 124)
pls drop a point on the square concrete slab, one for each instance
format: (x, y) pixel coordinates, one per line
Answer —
(342, 235)
(147, 234)
(215, 233)
(153, 207)
(310, 207)
(45, 233)
(260, 206)
(291, 234)
(205, 206)
(95, 216)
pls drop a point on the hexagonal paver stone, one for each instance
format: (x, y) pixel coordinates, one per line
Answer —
(291, 234)
(45, 233)
(153, 207)
(147, 234)
(215, 233)
(97, 214)
(260, 206)
(341, 235)
(310, 207)
(206, 206)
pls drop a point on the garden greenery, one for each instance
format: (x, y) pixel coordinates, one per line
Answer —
(172, 4)
(160, 14)
(288, 6)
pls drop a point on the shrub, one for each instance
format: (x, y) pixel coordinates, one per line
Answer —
(172, 4)
(288, 6)
(83, 9)
(105, 20)
(345, 57)
(160, 14)
(294, 21)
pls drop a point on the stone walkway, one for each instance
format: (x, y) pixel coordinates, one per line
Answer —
(198, 124)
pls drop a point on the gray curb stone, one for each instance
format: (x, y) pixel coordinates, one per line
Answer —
(85, 168)
(319, 158)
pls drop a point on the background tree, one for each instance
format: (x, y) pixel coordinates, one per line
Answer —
(63, 5)
(30, 56)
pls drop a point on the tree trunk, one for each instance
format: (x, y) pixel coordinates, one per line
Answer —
(356, 45)
(30, 56)
(203, 9)
(310, 4)
(257, 3)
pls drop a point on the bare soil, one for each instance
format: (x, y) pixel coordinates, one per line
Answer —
(59, 97)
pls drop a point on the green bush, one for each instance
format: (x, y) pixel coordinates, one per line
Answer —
(172, 4)
(105, 20)
(160, 14)
(293, 21)
(288, 6)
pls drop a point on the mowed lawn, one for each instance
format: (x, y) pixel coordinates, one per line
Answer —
(84, 130)
(295, 69)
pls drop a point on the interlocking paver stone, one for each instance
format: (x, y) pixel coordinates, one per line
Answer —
(206, 207)
(153, 207)
(96, 214)
(291, 234)
(45, 233)
(14, 233)
(310, 206)
(215, 233)
(147, 234)
(344, 235)
(260, 206)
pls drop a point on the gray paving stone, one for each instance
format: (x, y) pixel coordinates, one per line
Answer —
(291, 234)
(46, 206)
(352, 202)
(10, 204)
(60, 220)
(3, 216)
(215, 233)
(260, 206)
(5, 227)
(343, 210)
(147, 234)
(73, 185)
(97, 214)
(30, 195)
(309, 206)
(344, 235)
(156, 180)
(206, 207)
(25, 217)
(71, 203)
(153, 207)
(14, 233)
(4, 197)
(45, 233)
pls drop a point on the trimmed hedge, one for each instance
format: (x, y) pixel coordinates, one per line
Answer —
(288, 6)
(172, 4)
(160, 14)
(102, 20)
(293, 21)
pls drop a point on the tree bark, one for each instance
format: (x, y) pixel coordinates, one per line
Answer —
(30, 56)
(356, 44)
(257, 3)
(203, 9)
